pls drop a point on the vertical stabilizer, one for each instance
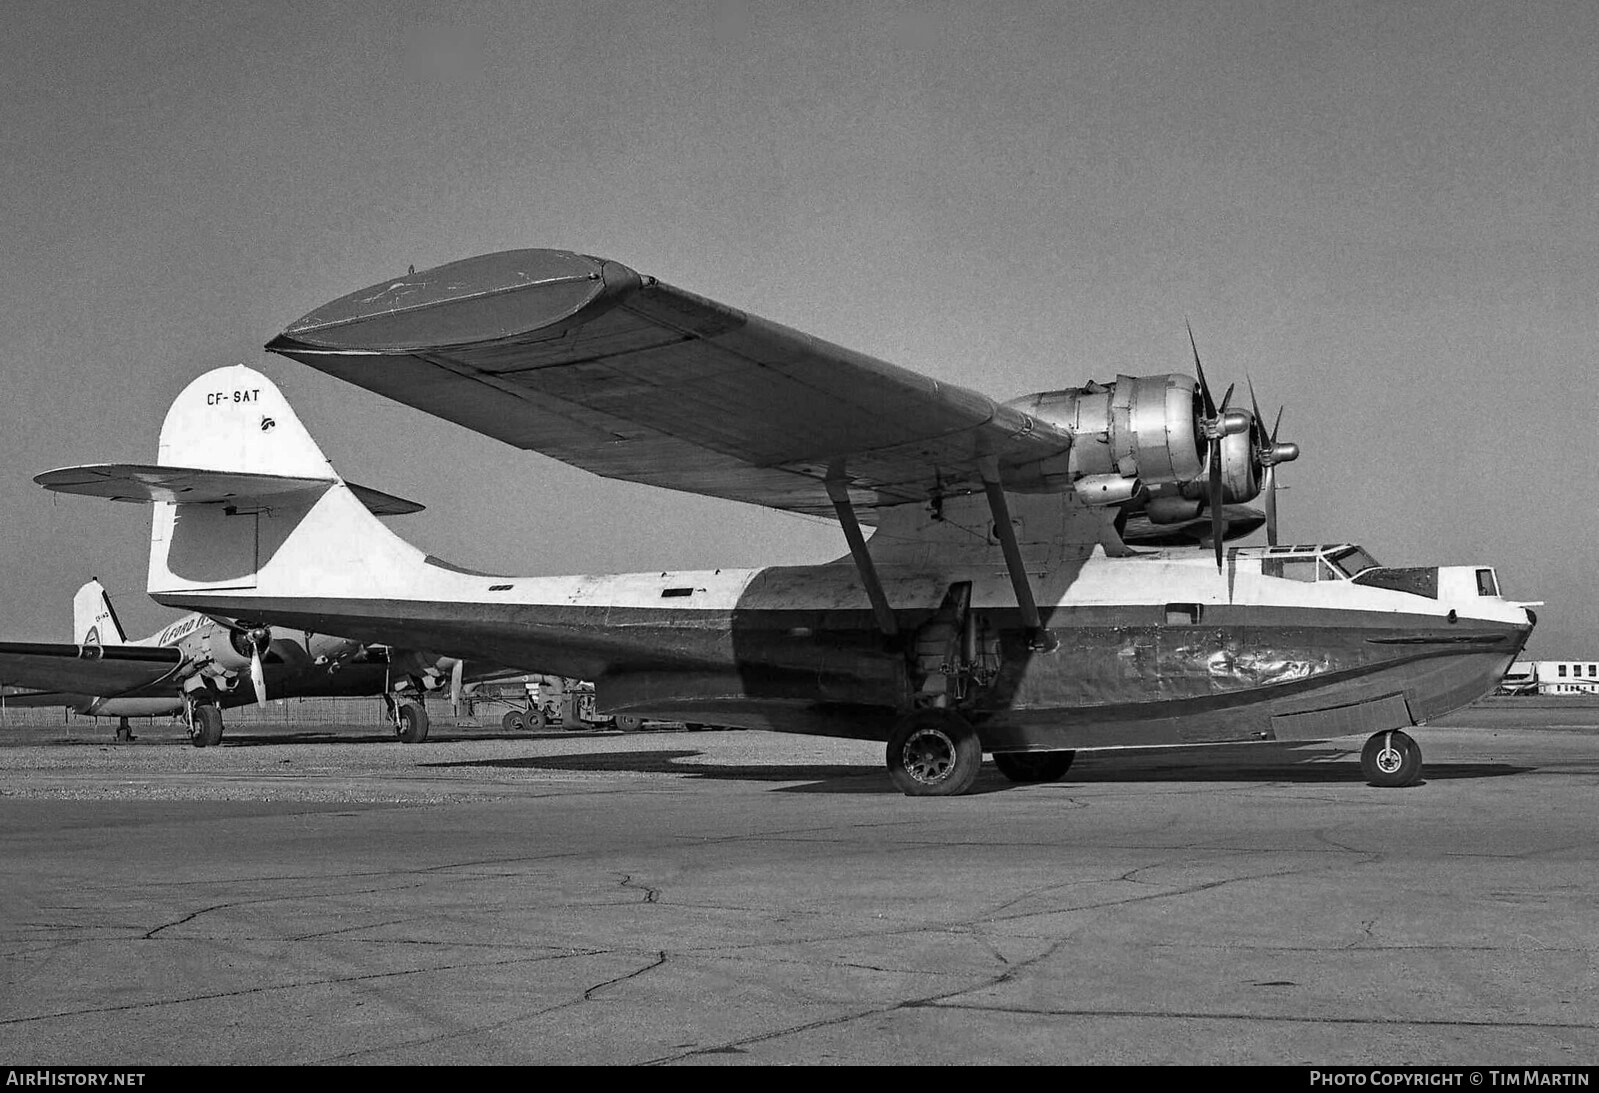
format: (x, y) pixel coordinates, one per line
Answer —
(236, 420)
(94, 621)
(320, 539)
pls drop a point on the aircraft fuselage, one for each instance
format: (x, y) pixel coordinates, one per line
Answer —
(1154, 649)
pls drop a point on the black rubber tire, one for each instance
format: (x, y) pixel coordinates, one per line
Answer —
(207, 730)
(1391, 759)
(535, 720)
(412, 726)
(934, 753)
(515, 721)
(1034, 766)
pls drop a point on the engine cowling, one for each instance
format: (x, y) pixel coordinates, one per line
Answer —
(1145, 427)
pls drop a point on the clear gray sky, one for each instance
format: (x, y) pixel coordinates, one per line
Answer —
(1384, 212)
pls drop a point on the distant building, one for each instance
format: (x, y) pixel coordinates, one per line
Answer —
(1551, 677)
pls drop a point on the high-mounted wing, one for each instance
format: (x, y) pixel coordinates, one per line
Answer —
(587, 361)
(102, 670)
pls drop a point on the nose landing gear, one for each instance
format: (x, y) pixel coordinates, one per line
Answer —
(1391, 759)
(409, 717)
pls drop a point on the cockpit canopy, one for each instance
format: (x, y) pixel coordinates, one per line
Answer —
(1317, 562)
(1347, 562)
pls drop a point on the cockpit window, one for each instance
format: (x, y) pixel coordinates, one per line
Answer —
(1303, 568)
(1487, 584)
(1353, 562)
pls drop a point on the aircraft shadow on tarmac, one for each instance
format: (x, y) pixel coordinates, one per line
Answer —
(1215, 766)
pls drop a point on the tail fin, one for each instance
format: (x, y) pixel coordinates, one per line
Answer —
(315, 539)
(242, 493)
(94, 620)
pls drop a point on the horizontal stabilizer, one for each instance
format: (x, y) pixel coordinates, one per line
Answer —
(196, 486)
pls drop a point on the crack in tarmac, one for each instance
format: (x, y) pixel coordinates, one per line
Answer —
(297, 985)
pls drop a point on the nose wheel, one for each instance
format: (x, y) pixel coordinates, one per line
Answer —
(205, 725)
(1391, 759)
(410, 722)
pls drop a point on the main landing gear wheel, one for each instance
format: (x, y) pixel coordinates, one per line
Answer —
(205, 731)
(515, 721)
(1391, 759)
(1034, 766)
(934, 753)
(411, 723)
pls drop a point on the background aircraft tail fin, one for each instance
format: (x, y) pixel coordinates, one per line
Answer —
(94, 620)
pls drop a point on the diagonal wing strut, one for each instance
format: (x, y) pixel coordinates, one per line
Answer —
(838, 493)
(994, 487)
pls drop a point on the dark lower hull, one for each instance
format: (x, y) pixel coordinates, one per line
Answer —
(1248, 674)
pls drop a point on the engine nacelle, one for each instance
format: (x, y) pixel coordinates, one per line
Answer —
(1144, 427)
(1240, 472)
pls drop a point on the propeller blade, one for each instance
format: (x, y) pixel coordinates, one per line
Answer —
(1199, 370)
(1271, 504)
(258, 675)
(1216, 522)
(1258, 430)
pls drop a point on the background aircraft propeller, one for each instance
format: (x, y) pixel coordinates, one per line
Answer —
(251, 640)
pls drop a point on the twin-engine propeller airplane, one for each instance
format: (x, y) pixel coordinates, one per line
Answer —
(996, 609)
(199, 665)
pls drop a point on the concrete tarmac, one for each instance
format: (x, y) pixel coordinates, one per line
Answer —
(746, 898)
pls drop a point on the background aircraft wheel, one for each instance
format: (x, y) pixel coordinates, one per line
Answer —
(934, 753)
(629, 723)
(207, 730)
(1036, 766)
(413, 723)
(536, 720)
(513, 721)
(1391, 759)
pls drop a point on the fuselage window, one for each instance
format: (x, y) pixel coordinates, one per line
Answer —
(1562, 671)
(1183, 614)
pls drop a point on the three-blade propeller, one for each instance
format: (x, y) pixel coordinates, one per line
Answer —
(259, 638)
(1217, 424)
(1268, 453)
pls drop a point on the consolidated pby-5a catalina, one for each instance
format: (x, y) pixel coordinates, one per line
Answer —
(998, 607)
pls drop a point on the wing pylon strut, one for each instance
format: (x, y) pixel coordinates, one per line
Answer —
(994, 487)
(838, 493)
